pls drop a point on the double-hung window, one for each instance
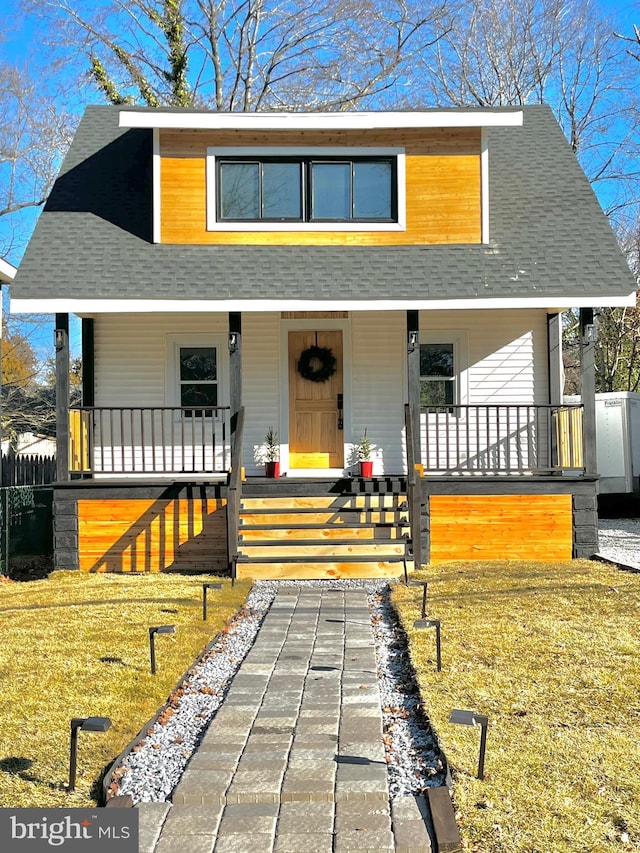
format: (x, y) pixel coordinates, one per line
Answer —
(320, 188)
(198, 379)
(437, 374)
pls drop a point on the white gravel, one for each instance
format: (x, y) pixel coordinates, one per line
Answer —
(620, 540)
(153, 769)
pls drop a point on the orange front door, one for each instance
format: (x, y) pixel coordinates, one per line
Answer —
(315, 441)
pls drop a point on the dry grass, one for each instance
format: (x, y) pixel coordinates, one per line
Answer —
(550, 653)
(78, 645)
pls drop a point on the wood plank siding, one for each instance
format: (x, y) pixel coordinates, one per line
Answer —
(500, 527)
(442, 176)
(152, 535)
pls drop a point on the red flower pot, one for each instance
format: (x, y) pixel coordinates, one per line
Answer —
(366, 468)
(272, 469)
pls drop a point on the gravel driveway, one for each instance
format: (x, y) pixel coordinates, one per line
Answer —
(620, 540)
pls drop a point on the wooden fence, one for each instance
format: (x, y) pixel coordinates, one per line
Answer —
(28, 470)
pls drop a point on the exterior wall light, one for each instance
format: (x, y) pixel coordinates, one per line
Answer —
(233, 341)
(412, 341)
(58, 339)
(86, 724)
(205, 587)
(157, 629)
(469, 718)
(425, 587)
(432, 623)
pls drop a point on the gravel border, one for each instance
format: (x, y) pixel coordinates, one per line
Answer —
(154, 762)
(620, 541)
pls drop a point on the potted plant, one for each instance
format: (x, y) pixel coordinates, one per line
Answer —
(271, 453)
(364, 449)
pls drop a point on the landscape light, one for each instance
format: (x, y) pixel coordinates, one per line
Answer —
(86, 724)
(469, 718)
(205, 587)
(432, 623)
(157, 629)
(425, 586)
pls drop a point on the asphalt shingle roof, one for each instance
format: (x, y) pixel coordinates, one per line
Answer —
(549, 236)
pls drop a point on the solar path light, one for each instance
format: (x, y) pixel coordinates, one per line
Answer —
(205, 587)
(432, 623)
(425, 587)
(86, 724)
(469, 718)
(157, 629)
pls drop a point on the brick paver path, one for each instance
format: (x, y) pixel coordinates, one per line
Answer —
(294, 760)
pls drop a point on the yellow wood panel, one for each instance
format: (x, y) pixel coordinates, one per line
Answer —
(317, 571)
(275, 552)
(147, 535)
(322, 502)
(442, 176)
(500, 527)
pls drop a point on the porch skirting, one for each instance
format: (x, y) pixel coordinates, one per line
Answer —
(120, 526)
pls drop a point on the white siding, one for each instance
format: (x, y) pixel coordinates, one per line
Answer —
(260, 384)
(131, 354)
(506, 352)
(379, 385)
(502, 358)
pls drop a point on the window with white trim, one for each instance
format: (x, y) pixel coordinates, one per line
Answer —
(437, 374)
(195, 369)
(305, 189)
(198, 378)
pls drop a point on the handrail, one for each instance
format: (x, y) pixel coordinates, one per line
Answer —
(234, 495)
(414, 490)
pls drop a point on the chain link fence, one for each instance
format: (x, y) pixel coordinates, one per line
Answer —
(26, 525)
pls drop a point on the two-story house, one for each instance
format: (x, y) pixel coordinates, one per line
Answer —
(321, 275)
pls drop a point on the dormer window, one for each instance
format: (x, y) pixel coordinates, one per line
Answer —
(312, 189)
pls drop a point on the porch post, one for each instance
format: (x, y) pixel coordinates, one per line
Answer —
(88, 363)
(235, 371)
(62, 396)
(588, 375)
(554, 334)
(413, 379)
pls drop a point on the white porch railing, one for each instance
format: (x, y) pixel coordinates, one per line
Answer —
(501, 439)
(149, 440)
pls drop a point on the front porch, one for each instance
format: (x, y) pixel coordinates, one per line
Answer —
(498, 462)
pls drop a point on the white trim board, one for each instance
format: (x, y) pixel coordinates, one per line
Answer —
(7, 271)
(209, 120)
(90, 307)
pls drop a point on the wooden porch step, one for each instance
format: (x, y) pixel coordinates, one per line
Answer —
(313, 550)
(359, 532)
(304, 517)
(311, 502)
(319, 570)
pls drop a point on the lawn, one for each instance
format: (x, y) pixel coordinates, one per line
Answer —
(551, 653)
(77, 645)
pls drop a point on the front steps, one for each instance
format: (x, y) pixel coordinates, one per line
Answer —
(285, 533)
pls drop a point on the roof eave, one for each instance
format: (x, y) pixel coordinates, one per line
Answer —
(7, 272)
(267, 121)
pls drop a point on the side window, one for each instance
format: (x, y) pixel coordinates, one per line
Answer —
(198, 379)
(438, 375)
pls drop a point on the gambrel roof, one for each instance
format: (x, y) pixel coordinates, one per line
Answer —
(551, 245)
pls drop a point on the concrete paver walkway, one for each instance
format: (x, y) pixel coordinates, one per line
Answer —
(294, 760)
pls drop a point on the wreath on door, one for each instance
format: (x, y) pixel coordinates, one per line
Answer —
(317, 364)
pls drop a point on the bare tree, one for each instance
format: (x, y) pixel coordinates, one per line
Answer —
(245, 54)
(34, 133)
